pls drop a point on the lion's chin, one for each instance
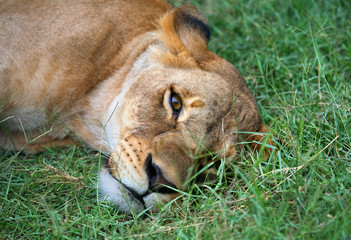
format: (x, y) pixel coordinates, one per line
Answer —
(112, 190)
(125, 200)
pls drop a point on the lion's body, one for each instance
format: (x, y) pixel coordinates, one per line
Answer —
(108, 72)
(54, 67)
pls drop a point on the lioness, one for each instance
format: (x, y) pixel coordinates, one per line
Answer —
(133, 78)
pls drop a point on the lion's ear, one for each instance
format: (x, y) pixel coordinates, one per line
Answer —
(185, 32)
(262, 142)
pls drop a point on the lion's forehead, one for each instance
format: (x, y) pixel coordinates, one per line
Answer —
(193, 81)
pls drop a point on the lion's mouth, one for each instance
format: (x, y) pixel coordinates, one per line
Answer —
(133, 192)
(162, 188)
(124, 198)
(129, 200)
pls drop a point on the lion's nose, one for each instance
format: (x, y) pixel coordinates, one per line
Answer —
(151, 170)
(157, 182)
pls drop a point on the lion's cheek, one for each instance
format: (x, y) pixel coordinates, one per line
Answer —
(127, 164)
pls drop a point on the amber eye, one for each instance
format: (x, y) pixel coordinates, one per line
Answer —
(175, 102)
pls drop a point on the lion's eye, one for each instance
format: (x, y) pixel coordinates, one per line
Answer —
(175, 103)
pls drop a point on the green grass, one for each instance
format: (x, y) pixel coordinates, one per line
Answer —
(296, 57)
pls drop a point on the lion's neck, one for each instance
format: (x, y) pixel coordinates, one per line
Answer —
(101, 114)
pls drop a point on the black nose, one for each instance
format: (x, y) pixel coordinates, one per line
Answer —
(157, 182)
(151, 171)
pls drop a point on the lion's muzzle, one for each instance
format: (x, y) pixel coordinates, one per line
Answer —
(132, 180)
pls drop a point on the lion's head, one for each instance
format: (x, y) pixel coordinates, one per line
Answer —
(182, 101)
